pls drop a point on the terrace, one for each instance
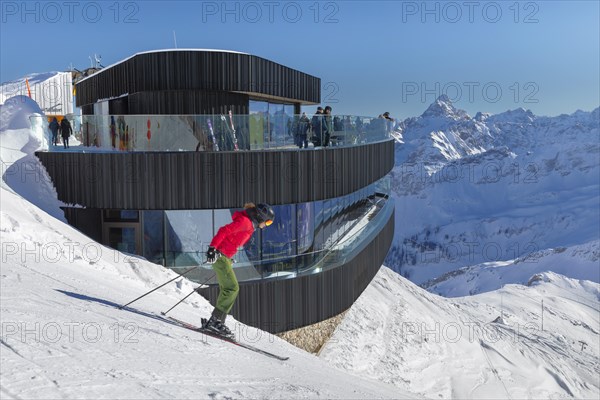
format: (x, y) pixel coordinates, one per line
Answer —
(259, 131)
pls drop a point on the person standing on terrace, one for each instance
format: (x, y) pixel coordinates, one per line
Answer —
(327, 126)
(54, 127)
(65, 131)
(317, 127)
(302, 131)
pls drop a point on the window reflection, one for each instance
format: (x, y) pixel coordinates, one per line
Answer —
(301, 236)
(153, 236)
(279, 240)
(270, 124)
(187, 236)
(305, 222)
(267, 125)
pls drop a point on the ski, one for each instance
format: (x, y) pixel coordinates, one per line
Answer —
(212, 134)
(230, 130)
(235, 142)
(232, 341)
(230, 137)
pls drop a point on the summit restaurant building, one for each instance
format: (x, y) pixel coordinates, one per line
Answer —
(175, 141)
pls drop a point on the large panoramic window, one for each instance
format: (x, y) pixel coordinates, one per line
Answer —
(258, 123)
(279, 240)
(267, 126)
(270, 123)
(154, 244)
(302, 234)
(305, 223)
(187, 236)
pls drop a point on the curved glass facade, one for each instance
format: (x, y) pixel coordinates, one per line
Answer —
(273, 128)
(305, 238)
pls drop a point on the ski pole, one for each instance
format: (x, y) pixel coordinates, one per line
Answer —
(146, 294)
(193, 291)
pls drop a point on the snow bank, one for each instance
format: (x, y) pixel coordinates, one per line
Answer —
(23, 131)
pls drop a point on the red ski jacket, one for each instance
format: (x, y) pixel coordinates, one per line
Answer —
(232, 236)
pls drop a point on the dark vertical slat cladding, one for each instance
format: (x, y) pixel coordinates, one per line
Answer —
(194, 72)
(282, 305)
(186, 102)
(207, 180)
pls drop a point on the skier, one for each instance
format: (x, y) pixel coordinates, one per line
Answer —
(220, 252)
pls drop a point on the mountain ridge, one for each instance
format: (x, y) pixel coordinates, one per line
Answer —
(504, 181)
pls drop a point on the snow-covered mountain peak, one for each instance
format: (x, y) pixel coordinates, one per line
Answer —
(441, 134)
(594, 114)
(518, 115)
(513, 181)
(443, 108)
(481, 116)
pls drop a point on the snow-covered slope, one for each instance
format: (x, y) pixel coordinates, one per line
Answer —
(577, 262)
(494, 345)
(492, 188)
(504, 208)
(62, 335)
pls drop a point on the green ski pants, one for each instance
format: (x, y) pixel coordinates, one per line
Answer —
(228, 284)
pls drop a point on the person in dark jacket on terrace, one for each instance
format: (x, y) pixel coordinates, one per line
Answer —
(317, 127)
(54, 127)
(65, 131)
(222, 248)
(327, 126)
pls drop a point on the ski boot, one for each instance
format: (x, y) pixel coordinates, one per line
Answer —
(217, 327)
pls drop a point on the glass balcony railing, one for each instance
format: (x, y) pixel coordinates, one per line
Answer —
(260, 131)
(353, 238)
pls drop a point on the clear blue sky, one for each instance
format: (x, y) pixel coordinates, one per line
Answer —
(372, 56)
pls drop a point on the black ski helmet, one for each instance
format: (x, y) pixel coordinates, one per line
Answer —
(264, 213)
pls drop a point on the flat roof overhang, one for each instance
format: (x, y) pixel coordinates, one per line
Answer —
(196, 70)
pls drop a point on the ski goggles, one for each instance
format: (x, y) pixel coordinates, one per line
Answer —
(269, 222)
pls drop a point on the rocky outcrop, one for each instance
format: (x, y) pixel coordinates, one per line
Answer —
(311, 338)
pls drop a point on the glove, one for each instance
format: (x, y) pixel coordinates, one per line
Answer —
(211, 255)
